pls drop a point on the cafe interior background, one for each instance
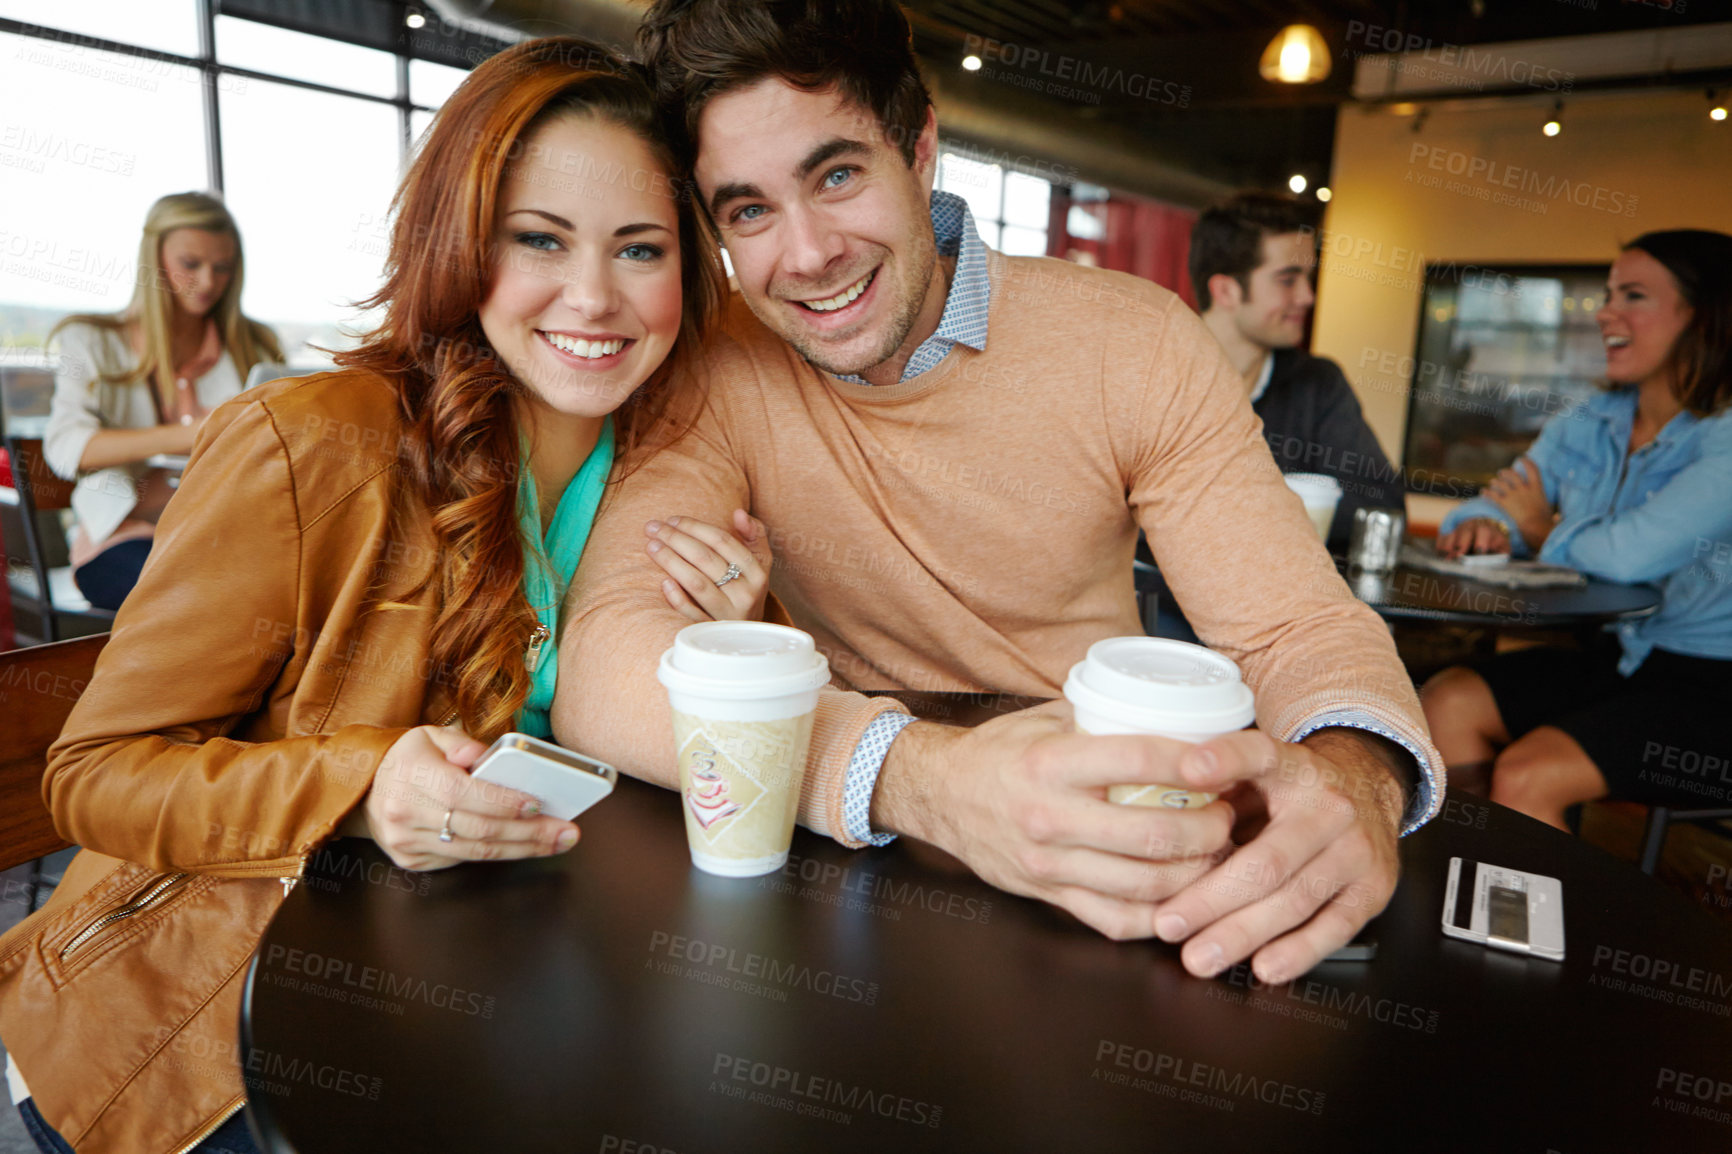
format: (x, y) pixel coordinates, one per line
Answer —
(1475, 164)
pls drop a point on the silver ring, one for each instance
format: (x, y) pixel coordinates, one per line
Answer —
(733, 572)
(445, 833)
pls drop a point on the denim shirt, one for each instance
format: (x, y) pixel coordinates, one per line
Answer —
(1662, 514)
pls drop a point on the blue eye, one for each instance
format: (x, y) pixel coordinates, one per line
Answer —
(749, 213)
(830, 180)
(642, 252)
(535, 240)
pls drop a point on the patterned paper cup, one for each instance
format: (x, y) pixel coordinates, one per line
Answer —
(743, 694)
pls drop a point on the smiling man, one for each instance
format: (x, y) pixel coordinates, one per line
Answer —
(954, 450)
(1251, 261)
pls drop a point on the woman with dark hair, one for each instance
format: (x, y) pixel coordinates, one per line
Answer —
(355, 589)
(1633, 486)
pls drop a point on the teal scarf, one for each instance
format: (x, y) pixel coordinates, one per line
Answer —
(549, 565)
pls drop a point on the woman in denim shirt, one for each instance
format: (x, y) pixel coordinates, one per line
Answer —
(1633, 486)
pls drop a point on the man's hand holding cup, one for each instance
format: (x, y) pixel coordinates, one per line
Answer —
(1321, 865)
(1024, 801)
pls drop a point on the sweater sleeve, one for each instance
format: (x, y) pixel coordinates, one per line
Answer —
(1242, 558)
(145, 769)
(73, 416)
(608, 703)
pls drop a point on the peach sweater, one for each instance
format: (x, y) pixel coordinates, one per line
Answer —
(972, 528)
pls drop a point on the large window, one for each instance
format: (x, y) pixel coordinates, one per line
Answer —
(88, 139)
(1010, 208)
(103, 109)
(313, 216)
(168, 25)
(263, 48)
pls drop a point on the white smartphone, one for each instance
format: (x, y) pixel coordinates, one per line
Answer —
(565, 783)
(1505, 909)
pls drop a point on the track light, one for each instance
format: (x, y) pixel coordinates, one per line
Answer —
(1716, 106)
(1555, 123)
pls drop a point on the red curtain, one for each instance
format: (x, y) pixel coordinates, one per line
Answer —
(1143, 237)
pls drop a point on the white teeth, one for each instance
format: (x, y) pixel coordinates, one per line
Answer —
(1617, 342)
(587, 349)
(841, 298)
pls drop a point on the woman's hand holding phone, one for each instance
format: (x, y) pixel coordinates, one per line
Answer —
(423, 777)
(697, 555)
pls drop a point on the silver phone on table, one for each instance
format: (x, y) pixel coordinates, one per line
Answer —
(1505, 909)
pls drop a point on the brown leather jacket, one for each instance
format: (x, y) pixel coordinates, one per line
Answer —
(238, 715)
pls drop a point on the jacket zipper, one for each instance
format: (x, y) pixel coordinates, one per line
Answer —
(211, 1129)
(537, 644)
(136, 906)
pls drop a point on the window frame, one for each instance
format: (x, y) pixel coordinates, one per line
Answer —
(212, 72)
(997, 219)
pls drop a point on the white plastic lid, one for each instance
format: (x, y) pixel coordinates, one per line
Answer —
(1157, 685)
(742, 659)
(1314, 486)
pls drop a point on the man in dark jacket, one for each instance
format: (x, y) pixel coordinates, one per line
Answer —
(1251, 263)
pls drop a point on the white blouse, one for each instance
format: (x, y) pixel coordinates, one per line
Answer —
(83, 407)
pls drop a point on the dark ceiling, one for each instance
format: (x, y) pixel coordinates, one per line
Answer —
(1232, 125)
(1180, 75)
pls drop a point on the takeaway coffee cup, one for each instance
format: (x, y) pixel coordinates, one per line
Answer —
(1321, 493)
(1167, 688)
(743, 694)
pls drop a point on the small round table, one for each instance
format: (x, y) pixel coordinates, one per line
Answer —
(1409, 594)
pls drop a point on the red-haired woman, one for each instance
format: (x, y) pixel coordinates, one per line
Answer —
(356, 588)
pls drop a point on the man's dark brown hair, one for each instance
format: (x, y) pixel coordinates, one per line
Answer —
(699, 49)
(1227, 240)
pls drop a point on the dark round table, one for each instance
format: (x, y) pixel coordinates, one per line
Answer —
(1410, 594)
(615, 999)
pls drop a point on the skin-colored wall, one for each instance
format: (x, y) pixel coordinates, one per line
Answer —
(1625, 164)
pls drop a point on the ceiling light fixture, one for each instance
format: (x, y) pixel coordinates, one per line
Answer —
(1297, 55)
(1323, 193)
(1296, 182)
(1555, 123)
(1716, 106)
(971, 63)
(415, 19)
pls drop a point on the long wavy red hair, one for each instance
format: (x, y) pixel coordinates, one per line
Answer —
(460, 450)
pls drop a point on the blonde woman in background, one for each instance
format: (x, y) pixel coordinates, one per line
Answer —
(137, 384)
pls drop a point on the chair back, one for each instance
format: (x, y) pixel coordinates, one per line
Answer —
(39, 491)
(38, 688)
(38, 486)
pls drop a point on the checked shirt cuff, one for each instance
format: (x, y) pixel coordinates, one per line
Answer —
(861, 777)
(1425, 791)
